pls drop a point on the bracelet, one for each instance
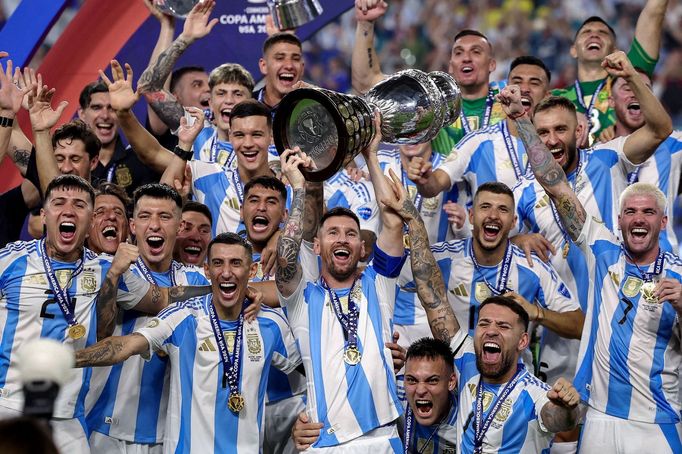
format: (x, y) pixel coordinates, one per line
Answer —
(183, 154)
(6, 122)
(541, 315)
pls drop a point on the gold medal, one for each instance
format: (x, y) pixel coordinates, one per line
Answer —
(648, 292)
(352, 356)
(564, 250)
(406, 241)
(235, 402)
(76, 331)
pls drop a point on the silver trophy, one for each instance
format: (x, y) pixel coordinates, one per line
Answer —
(332, 128)
(290, 14)
(177, 8)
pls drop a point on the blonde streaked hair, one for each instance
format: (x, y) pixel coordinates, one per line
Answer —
(643, 189)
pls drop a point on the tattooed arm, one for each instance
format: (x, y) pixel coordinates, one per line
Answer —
(112, 350)
(365, 69)
(289, 271)
(547, 171)
(151, 83)
(427, 276)
(561, 412)
(314, 207)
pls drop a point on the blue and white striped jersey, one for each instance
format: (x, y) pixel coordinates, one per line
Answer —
(28, 311)
(430, 209)
(437, 439)
(350, 400)
(518, 425)
(663, 169)
(466, 289)
(198, 418)
(597, 186)
(341, 191)
(488, 154)
(208, 148)
(129, 400)
(630, 349)
(222, 191)
(280, 385)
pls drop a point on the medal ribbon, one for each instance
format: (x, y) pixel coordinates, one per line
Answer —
(349, 322)
(231, 365)
(581, 101)
(555, 212)
(409, 428)
(489, 100)
(633, 177)
(658, 265)
(511, 151)
(217, 147)
(149, 277)
(239, 187)
(481, 427)
(61, 295)
(110, 173)
(504, 270)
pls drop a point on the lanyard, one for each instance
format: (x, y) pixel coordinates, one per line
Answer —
(658, 265)
(149, 277)
(501, 286)
(633, 177)
(231, 365)
(218, 146)
(239, 187)
(581, 101)
(409, 429)
(418, 199)
(511, 151)
(480, 426)
(489, 100)
(61, 295)
(349, 321)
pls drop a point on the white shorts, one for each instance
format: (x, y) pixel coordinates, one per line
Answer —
(383, 440)
(69, 436)
(604, 434)
(101, 443)
(280, 417)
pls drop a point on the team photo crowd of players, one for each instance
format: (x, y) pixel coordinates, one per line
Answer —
(510, 286)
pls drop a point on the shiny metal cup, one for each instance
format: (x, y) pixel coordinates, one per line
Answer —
(332, 128)
(177, 8)
(289, 14)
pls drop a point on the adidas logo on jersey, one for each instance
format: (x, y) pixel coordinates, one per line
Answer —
(207, 346)
(460, 290)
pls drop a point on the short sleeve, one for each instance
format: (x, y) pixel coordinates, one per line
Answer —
(131, 290)
(156, 331)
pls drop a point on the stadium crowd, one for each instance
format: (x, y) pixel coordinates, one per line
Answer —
(510, 286)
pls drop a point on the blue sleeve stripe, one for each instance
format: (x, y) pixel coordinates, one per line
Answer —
(387, 265)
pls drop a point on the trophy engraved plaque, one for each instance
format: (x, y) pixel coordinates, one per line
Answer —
(332, 128)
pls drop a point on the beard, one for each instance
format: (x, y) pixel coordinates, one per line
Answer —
(495, 371)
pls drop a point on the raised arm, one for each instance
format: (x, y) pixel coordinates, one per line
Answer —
(12, 140)
(390, 236)
(425, 270)
(568, 324)
(650, 25)
(152, 80)
(112, 350)
(365, 69)
(123, 98)
(429, 182)
(289, 271)
(43, 118)
(547, 171)
(163, 42)
(657, 123)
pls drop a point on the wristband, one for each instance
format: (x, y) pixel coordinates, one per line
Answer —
(183, 154)
(6, 122)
